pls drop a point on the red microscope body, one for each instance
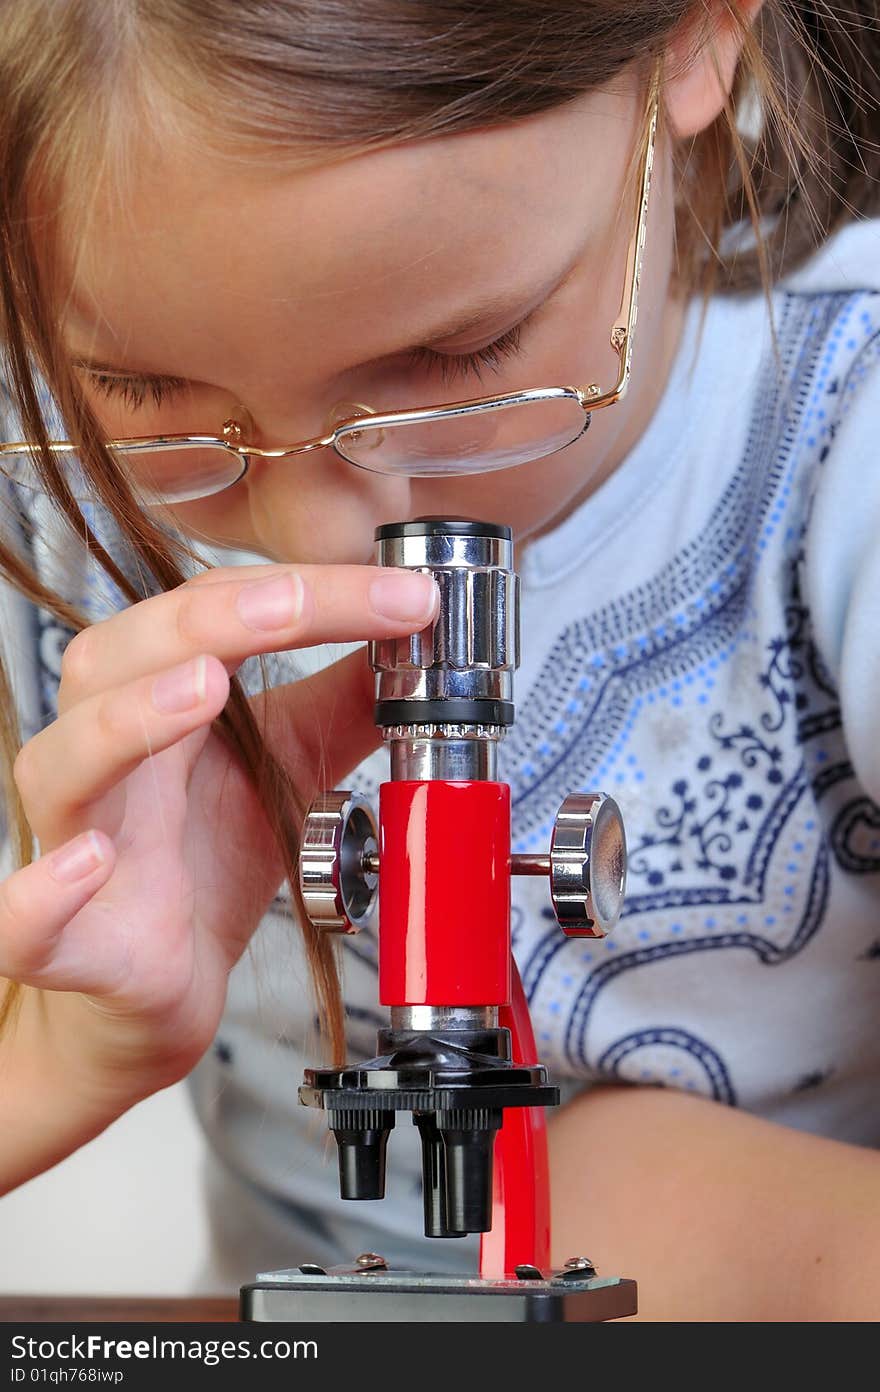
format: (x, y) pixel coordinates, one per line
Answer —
(459, 1053)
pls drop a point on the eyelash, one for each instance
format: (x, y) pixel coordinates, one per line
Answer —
(453, 365)
(135, 390)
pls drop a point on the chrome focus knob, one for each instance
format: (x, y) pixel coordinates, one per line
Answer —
(338, 862)
(588, 865)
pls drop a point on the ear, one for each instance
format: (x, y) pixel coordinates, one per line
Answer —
(701, 59)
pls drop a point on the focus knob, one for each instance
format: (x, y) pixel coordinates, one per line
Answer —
(337, 862)
(588, 865)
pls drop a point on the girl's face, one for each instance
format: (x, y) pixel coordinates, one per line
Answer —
(277, 297)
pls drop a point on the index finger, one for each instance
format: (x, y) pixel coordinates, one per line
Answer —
(233, 619)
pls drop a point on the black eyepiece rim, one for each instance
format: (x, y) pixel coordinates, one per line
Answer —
(443, 526)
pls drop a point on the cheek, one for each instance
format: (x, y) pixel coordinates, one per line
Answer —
(223, 519)
(522, 498)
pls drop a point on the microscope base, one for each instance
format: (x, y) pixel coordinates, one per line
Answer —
(346, 1294)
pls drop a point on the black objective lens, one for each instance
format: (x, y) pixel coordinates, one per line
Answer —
(457, 1163)
(362, 1137)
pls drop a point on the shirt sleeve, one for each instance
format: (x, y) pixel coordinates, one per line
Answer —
(842, 557)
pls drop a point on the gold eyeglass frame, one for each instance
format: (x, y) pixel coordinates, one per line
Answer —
(590, 398)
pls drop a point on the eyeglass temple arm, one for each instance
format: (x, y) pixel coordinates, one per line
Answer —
(623, 329)
(20, 446)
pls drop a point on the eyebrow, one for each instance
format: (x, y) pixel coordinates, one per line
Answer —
(493, 307)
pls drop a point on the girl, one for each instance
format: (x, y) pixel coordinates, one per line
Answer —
(258, 222)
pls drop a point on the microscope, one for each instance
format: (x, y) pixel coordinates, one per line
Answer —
(459, 1053)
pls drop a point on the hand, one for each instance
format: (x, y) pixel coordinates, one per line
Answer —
(157, 860)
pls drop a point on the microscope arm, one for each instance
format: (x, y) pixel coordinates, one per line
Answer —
(520, 1234)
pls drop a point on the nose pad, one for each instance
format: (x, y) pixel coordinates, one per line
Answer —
(346, 410)
(239, 429)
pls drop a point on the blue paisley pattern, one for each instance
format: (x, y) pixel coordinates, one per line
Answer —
(717, 669)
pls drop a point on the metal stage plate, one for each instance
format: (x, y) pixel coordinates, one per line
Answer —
(344, 1294)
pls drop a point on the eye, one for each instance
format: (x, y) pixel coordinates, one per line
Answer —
(134, 391)
(453, 365)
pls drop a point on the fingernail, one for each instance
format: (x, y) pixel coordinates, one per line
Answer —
(407, 597)
(267, 604)
(181, 688)
(77, 860)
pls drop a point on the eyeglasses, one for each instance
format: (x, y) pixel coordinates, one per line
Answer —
(479, 435)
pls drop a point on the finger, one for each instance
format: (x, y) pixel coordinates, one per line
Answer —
(38, 902)
(223, 574)
(234, 619)
(95, 745)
